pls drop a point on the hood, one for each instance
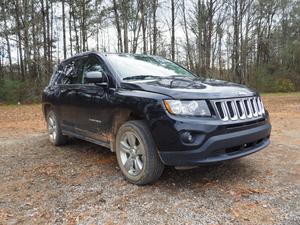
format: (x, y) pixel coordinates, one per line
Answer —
(190, 88)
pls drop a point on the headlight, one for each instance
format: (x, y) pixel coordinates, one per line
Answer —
(187, 108)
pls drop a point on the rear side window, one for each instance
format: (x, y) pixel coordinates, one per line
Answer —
(56, 76)
(69, 73)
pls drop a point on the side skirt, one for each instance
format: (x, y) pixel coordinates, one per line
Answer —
(97, 142)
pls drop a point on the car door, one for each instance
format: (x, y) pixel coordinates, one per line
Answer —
(67, 88)
(95, 115)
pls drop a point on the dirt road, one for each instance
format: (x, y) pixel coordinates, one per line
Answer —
(81, 182)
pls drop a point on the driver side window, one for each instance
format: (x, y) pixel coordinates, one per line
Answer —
(92, 65)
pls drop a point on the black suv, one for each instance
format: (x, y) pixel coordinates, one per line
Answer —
(152, 112)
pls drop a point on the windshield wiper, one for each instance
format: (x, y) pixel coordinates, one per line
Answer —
(140, 77)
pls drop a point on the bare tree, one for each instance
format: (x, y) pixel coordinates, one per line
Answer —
(173, 30)
(5, 31)
(64, 28)
(117, 21)
(190, 63)
(154, 19)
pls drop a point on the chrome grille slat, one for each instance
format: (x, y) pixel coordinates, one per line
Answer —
(239, 108)
(223, 106)
(243, 109)
(250, 115)
(258, 109)
(260, 106)
(235, 116)
(254, 107)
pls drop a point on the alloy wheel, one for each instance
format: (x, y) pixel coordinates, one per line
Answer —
(132, 153)
(52, 129)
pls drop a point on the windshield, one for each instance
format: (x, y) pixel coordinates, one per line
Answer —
(141, 67)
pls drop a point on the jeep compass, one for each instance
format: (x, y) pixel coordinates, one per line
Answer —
(153, 113)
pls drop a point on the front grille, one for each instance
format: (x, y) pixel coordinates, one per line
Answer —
(239, 108)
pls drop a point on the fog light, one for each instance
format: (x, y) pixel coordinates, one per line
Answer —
(187, 137)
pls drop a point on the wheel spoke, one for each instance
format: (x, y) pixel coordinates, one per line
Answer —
(131, 139)
(125, 147)
(51, 121)
(50, 129)
(138, 165)
(140, 149)
(128, 164)
(54, 135)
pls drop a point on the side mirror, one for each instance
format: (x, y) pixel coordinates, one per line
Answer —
(93, 77)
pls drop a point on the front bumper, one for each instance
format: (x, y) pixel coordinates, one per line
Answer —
(220, 143)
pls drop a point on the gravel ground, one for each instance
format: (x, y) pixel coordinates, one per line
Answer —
(80, 183)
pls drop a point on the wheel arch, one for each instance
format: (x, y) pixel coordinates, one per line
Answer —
(46, 107)
(119, 119)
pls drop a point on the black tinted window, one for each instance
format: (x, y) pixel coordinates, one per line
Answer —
(57, 75)
(91, 65)
(73, 71)
(69, 73)
(79, 70)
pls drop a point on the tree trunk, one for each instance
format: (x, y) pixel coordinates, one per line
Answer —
(64, 28)
(120, 46)
(125, 17)
(173, 30)
(25, 26)
(236, 31)
(136, 35)
(144, 27)
(199, 36)
(19, 34)
(49, 41)
(209, 35)
(70, 29)
(6, 35)
(34, 44)
(73, 13)
(188, 46)
(44, 32)
(154, 9)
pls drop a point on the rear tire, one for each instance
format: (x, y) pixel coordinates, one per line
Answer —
(55, 134)
(137, 154)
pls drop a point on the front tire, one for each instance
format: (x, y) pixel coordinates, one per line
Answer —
(137, 154)
(55, 134)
